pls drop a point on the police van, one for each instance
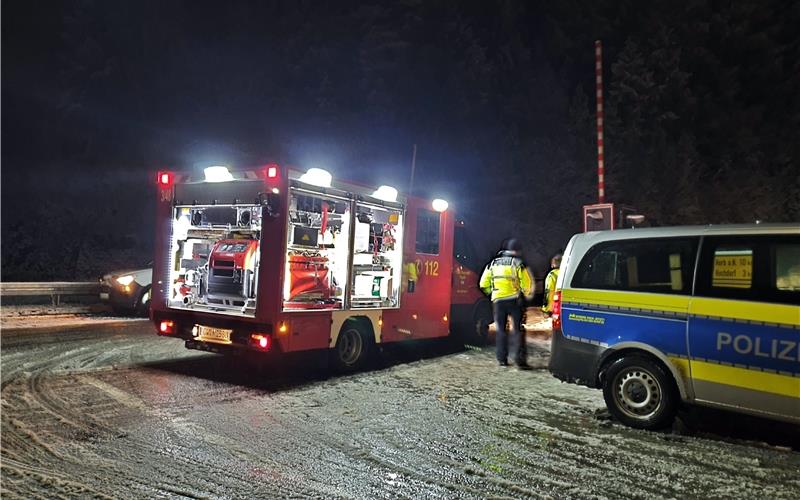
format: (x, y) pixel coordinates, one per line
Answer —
(706, 315)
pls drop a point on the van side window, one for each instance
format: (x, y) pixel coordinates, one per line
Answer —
(761, 268)
(787, 267)
(653, 265)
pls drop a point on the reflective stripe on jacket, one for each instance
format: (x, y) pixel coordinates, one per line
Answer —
(506, 277)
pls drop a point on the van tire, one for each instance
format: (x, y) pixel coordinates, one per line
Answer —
(640, 393)
(353, 349)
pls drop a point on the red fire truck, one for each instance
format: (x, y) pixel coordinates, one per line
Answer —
(277, 260)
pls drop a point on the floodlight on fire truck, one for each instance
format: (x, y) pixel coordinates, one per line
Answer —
(218, 174)
(385, 193)
(317, 177)
(439, 205)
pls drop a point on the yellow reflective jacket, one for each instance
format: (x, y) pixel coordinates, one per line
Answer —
(549, 290)
(506, 277)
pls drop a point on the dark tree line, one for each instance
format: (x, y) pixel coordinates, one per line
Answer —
(703, 118)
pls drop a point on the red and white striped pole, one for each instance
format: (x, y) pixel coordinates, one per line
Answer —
(598, 72)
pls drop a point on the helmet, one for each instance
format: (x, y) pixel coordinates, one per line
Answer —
(512, 245)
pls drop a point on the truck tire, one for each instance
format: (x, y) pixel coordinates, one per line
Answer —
(640, 393)
(353, 348)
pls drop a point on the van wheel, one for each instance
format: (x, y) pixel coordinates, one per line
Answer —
(480, 323)
(143, 304)
(353, 348)
(639, 393)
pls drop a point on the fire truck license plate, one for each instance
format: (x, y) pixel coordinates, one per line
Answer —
(219, 335)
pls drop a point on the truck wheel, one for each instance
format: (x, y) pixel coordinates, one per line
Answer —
(639, 393)
(480, 323)
(143, 304)
(353, 347)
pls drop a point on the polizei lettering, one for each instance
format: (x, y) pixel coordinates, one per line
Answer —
(784, 350)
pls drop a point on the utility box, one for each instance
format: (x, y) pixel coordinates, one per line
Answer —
(608, 216)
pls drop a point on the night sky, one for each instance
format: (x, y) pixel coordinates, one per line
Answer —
(703, 112)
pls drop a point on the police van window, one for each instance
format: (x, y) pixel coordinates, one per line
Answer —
(428, 232)
(762, 268)
(787, 267)
(733, 267)
(653, 265)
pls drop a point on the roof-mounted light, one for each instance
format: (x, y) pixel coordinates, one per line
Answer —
(218, 174)
(439, 205)
(385, 193)
(317, 177)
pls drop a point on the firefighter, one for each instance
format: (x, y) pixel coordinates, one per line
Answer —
(508, 281)
(550, 285)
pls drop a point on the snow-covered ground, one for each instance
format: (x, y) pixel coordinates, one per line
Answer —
(112, 410)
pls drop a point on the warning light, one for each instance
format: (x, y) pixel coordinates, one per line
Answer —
(261, 341)
(444, 318)
(380, 321)
(272, 171)
(166, 327)
(165, 179)
(282, 328)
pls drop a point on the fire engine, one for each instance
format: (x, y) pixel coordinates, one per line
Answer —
(274, 260)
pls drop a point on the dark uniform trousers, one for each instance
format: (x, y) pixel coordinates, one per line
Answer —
(503, 310)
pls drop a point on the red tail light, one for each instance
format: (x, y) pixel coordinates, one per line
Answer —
(166, 327)
(260, 341)
(165, 179)
(271, 171)
(557, 310)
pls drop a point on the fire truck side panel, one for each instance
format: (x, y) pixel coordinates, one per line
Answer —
(160, 284)
(306, 331)
(425, 304)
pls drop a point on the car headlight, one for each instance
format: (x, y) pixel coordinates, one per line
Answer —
(125, 280)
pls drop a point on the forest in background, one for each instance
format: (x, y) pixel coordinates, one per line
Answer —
(702, 112)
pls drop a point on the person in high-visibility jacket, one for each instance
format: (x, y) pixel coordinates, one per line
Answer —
(550, 285)
(509, 282)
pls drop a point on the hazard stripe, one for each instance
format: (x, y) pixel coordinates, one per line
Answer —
(762, 313)
(755, 312)
(773, 383)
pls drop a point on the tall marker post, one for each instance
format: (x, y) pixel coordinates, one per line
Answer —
(598, 71)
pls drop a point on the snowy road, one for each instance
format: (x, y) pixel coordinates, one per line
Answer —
(111, 410)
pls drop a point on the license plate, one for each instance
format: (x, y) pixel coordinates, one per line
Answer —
(218, 335)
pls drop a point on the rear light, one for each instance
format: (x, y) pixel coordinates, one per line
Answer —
(166, 327)
(272, 171)
(261, 341)
(557, 310)
(165, 179)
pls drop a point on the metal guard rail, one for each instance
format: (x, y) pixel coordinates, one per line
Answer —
(54, 289)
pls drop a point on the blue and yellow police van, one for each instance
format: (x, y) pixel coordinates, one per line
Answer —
(706, 315)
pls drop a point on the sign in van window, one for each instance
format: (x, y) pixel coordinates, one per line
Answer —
(733, 268)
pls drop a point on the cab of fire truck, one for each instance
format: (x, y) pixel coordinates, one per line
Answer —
(274, 260)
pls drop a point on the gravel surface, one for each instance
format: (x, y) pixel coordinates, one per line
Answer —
(111, 410)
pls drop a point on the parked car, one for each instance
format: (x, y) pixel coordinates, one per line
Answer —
(127, 291)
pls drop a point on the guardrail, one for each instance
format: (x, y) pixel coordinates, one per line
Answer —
(54, 289)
